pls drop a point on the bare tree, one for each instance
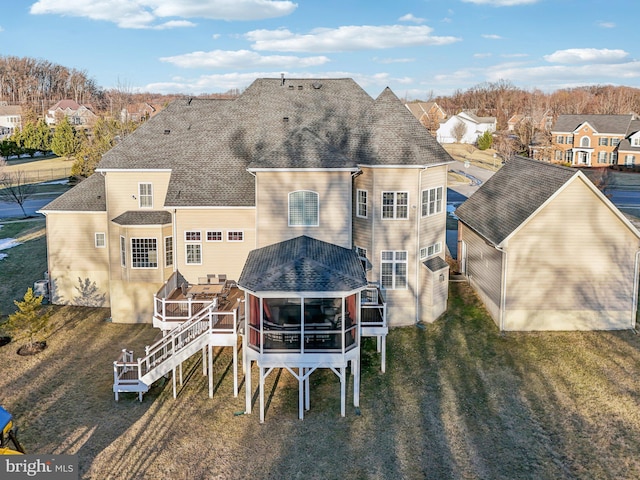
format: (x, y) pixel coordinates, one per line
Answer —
(459, 130)
(14, 188)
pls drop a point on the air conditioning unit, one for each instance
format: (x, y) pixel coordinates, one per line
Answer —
(41, 288)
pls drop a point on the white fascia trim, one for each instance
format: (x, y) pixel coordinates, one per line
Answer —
(421, 167)
(348, 169)
(176, 207)
(107, 170)
(272, 294)
(152, 225)
(45, 212)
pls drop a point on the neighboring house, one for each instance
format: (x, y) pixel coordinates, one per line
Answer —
(595, 140)
(138, 112)
(10, 118)
(545, 250)
(542, 122)
(204, 182)
(428, 113)
(472, 127)
(78, 115)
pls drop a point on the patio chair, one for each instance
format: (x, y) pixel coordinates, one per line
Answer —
(222, 277)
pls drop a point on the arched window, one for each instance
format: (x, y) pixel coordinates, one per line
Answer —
(585, 142)
(303, 209)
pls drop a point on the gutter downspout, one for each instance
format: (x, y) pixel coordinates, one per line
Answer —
(255, 189)
(503, 287)
(418, 218)
(174, 240)
(634, 300)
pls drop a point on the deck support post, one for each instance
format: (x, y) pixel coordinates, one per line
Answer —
(355, 368)
(343, 391)
(261, 370)
(204, 360)
(210, 368)
(173, 379)
(180, 369)
(235, 367)
(301, 389)
(307, 391)
(383, 367)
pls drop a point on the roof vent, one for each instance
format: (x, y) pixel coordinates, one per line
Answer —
(167, 132)
(291, 87)
(300, 87)
(285, 119)
(282, 79)
(316, 85)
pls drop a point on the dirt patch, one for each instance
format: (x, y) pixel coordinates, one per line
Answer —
(32, 348)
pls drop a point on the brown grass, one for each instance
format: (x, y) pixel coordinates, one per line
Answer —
(481, 158)
(458, 401)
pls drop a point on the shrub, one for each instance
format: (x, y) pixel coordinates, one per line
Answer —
(485, 140)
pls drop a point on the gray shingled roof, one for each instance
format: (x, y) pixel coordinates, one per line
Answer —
(435, 263)
(614, 124)
(143, 217)
(511, 196)
(87, 196)
(210, 143)
(302, 264)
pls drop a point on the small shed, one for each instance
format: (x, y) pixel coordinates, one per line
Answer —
(545, 250)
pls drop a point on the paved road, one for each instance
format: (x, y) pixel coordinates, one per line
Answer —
(476, 175)
(12, 210)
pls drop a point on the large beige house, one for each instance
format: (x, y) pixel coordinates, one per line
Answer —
(200, 185)
(546, 250)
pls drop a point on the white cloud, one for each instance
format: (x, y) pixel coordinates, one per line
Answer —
(346, 38)
(241, 59)
(410, 17)
(514, 55)
(482, 55)
(584, 55)
(145, 13)
(606, 24)
(491, 36)
(1, 29)
(387, 61)
(502, 3)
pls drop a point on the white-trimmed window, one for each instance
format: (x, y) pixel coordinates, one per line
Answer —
(431, 250)
(395, 205)
(629, 160)
(144, 253)
(168, 251)
(585, 142)
(145, 195)
(235, 236)
(123, 251)
(303, 209)
(393, 270)
(361, 203)
(636, 142)
(602, 157)
(615, 142)
(568, 156)
(603, 141)
(101, 240)
(560, 139)
(193, 254)
(362, 254)
(559, 155)
(214, 235)
(569, 139)
(192, 236)
(431, 201)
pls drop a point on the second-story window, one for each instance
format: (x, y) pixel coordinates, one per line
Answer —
(303, 209)
(145, 195)
(431, 201)
(361, 207)
(395, 205)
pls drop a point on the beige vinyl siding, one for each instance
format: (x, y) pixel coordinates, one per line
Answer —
(433, 293)
(433, 227)
(396, 235)
(73, 257)
(122, 190)
(217, 257)
(133, 301)
(571, 267)
(363, 227)
(483, 269)
(335, 206)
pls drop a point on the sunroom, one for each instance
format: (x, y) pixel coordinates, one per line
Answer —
(303, 313)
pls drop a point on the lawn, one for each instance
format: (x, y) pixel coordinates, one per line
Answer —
(24, 264)
(458, 400)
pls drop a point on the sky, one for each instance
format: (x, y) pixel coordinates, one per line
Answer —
(418, 48)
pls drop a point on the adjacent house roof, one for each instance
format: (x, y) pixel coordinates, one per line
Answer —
(435, 264)
(209, 144)
(143, 217)
(87, 196)
(511, 196)
(302, 264)
(614, 124)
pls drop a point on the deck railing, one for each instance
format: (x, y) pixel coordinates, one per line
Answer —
(374, 307)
